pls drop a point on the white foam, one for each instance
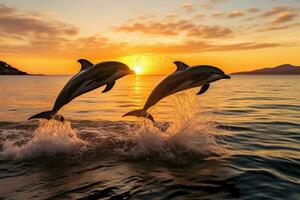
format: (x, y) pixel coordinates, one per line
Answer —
(188, 132)
(51, 137)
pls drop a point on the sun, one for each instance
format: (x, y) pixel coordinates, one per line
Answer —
(137, 69)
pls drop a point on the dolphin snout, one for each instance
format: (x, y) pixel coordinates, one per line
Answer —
(226, 76)
(131, 71)
(128, 71)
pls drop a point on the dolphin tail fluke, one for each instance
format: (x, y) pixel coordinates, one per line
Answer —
(140, 113)
(48, 115)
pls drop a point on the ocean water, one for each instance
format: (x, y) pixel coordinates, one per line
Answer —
(240, 140)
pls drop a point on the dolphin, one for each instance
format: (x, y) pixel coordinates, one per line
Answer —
(183, 78)
(89, 78)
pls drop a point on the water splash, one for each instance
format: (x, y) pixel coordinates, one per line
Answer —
(190, 133)
(50, 138)
(187, 135)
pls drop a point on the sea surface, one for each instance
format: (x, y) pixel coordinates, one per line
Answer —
(239, 140)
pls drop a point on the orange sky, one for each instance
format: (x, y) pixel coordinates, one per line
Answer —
(48, 37)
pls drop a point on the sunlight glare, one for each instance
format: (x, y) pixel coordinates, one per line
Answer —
(137, 69)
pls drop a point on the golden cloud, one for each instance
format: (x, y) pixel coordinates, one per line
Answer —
(275, 10)
(236, 13)
(188, 6)
(19, 23)
(253, 10)
(174, 28)
(284, 17)
(39, 34)
(209, 4)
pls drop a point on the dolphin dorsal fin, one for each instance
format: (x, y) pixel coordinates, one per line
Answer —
(180, 66)
(85, 64)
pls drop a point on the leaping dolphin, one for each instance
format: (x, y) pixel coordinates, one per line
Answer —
(183, 78)
(89, 78)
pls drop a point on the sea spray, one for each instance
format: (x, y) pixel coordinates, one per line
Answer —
(189, 134)
(50, 138)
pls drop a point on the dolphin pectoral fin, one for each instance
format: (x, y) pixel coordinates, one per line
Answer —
(203, 89)
(109, 86)
(85, 64)
(180, 66)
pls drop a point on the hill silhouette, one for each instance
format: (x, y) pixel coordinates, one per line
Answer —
(6, 69)
(279, 70)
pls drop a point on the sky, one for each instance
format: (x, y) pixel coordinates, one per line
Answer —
(48, 37)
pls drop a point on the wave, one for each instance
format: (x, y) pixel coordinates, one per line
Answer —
(50, 137)
(187, 136)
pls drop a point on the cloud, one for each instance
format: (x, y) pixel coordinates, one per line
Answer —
(218, 14)
(153, 28)
(246, 46)
(174, 28)
(101, 47)
(28, 32)
(25, 25)
(216, 1)
(188, 47)
(236, 13)
(170, 15)
(209, 4)
(16, 22)
(284, 17)
(280, 14)
(4, 10)
(188, 7)
(199, 15)
(210, 31)
(233, 14)
(253, 10)
(95, 46)
(275, 10)
(37, 33)
(280, 27)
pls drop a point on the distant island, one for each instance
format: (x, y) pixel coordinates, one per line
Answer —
(6, 69)
(285, 69)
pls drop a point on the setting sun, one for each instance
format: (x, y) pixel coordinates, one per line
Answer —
(148, 63)
(137, 69)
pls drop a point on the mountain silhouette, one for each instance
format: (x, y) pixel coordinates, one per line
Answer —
(279, 70)
(6, 69)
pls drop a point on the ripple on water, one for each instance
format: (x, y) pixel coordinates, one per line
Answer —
(244, 145)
